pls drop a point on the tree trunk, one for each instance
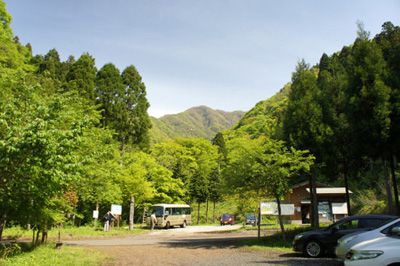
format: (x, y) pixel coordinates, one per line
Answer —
(198, 212)
(280, 218)
(2, 225)
(213, 214)
(394, 182)
(37, 236)
(314, 201)
(346, 184)
(33, 235)
(131, 212)
(388, 187)
(44, 233)
(207, 212)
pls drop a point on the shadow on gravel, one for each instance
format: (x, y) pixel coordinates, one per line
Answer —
(301, 262)
(208, 243)
(237, 242)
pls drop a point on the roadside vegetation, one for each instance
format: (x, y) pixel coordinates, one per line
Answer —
(48, 255)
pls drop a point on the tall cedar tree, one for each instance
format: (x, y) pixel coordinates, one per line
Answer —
(303, 124)
(82, 77)
(389, 42)
(110, 95)
(136, 119)
(337, 149)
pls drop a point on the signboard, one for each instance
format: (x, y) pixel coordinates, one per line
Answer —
(271, 208)
(268, 208)
(116, 209)
(95, 214)
(339, 207)
(286, 209)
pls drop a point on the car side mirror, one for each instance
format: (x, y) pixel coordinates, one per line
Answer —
(395, 231)
(166, 213)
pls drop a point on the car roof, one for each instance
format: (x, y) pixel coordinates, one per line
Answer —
(376, 216)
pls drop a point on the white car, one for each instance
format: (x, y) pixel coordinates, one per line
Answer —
(346, 242)
(382, 251)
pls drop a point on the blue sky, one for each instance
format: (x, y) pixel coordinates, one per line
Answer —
(224, 54)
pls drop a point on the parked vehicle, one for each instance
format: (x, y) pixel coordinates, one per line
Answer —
(383, 251)
(227, 219)
(317, 243)
(251, 219)
(169, 215)
(348, 241)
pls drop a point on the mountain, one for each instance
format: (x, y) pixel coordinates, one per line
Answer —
(200, 121)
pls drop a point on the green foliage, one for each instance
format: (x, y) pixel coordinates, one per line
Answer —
(264, 165)
(199, 121)
(48, 255)
(81, 77)
(137, 121)
(265, 119)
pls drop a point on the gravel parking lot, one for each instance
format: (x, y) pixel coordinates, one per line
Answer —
(193, 246)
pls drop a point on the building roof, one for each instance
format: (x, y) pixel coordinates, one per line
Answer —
(307, 183)
(330, 190)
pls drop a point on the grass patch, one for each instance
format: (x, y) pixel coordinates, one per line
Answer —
(48, 255)
(73, 232)
(273, 242)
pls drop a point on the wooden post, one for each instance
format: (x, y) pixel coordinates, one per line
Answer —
(131, 213)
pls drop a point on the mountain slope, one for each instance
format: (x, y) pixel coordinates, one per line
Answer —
(264, 118)
(200, 121)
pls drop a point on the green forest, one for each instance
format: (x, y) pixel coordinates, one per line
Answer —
(75, 138)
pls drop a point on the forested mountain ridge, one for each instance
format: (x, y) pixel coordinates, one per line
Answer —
(264, 118)
(200, 121)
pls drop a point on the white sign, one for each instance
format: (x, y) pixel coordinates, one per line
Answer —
(268, 208)
(271, 208)
(339, 207)
(95, 214)
(116, 209)
(287, 209)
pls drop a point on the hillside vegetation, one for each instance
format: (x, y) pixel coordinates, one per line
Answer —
(200, 121)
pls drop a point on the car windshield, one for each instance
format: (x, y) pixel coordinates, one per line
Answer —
(226, 216)
(250, 216)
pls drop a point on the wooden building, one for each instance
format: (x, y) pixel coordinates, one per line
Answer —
(331, 203)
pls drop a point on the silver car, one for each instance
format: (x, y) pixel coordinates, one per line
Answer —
(346, 242)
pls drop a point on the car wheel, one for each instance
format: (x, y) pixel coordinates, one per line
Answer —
(183, 225)
(168, 225)
(313, 249)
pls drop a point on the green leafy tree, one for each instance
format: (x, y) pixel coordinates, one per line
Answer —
(265, 166)
(206, 158)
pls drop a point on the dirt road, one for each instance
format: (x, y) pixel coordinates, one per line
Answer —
(192, 246)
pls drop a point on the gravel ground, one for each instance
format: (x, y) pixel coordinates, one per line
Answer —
(192, 246)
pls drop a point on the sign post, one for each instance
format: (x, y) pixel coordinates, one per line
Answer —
(116, 210)
(271, 208)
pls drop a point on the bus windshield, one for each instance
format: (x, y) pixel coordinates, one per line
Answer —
(158, 210)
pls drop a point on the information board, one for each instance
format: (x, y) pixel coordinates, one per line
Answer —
(271, 208)
(116, 209)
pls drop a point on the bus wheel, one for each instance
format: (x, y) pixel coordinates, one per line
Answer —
(167, 226)
(183, 225)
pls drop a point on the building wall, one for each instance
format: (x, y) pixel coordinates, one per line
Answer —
(300, 193)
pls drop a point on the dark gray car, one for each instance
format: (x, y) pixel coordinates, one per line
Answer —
(317, 243)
